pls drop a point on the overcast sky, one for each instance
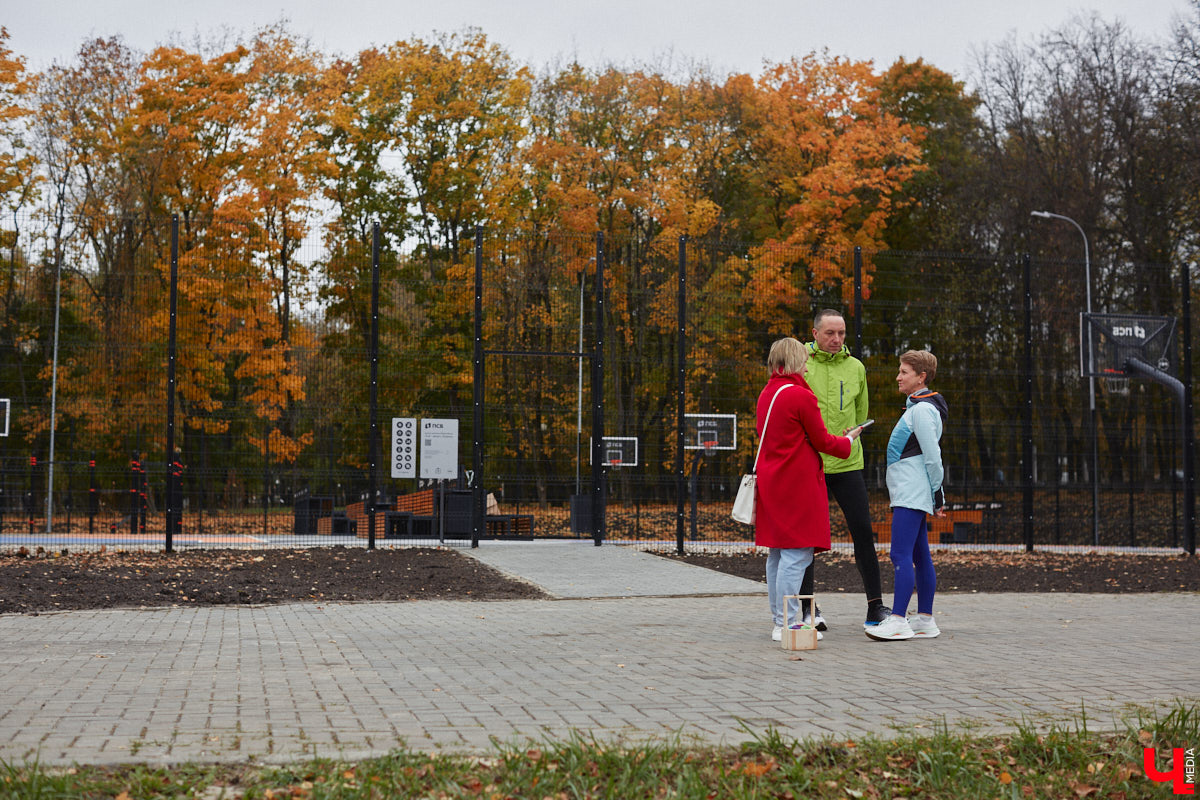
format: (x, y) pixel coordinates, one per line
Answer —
(728, 36)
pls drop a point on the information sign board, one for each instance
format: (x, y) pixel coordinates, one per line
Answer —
(404, 447)
(439, 449)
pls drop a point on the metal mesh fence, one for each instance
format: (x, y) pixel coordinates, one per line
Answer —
(273, 412)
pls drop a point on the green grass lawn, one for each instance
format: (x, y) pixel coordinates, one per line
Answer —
(1069, 760)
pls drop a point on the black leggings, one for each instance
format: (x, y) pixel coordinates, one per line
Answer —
(849, 489)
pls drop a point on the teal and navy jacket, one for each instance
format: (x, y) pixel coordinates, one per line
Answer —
(839, 380)
(914, 458)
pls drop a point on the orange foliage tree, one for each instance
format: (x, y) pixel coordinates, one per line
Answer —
(249, 143)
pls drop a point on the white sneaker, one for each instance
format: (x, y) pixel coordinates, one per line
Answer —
(923, 628)
(777, 634)
(891, 629)
(820, 635)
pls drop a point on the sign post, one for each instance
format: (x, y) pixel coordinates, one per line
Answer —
(439, 459)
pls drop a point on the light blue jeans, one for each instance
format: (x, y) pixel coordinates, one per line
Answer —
(785, 572)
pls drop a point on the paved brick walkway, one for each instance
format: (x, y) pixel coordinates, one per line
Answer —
(287, 682)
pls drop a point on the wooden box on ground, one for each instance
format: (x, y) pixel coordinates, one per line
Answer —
(803, 637)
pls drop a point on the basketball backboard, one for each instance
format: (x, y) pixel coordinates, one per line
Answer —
(1110, 340)
(710, 432)
(618, 451)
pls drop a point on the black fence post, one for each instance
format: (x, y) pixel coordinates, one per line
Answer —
(477, 508)
(30, 498)
(93, 498)
(681, 399)
(202, 494)
(133, 493)
(266, 492)
(373, 444)
(858, 301)
(67, 504)
(1027, 415)
(598, 498)
(1189, 435)
(172, 475)
(143, 495)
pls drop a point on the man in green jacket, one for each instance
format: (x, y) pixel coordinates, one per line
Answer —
(840, 382)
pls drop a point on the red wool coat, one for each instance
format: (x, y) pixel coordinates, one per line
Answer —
(791, 505)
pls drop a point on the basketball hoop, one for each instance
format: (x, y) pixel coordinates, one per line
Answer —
(1118, 387)
(709, 446)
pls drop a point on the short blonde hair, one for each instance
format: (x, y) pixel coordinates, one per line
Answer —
(787, 356)
(921, 361)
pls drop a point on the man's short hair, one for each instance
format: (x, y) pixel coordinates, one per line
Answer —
(823, 313)
(921, 361)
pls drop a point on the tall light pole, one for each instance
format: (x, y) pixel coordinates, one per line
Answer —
(1087, 278)
(53, 396)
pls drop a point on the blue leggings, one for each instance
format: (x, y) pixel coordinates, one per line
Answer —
(912, 561)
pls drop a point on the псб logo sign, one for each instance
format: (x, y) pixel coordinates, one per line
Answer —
(1183, 769)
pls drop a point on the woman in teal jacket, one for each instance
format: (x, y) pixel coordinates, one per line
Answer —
(914, 480)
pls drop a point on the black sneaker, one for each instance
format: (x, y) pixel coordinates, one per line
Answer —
(876, 615)
(820, 623)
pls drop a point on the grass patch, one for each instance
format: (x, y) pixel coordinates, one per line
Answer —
(1070, 760)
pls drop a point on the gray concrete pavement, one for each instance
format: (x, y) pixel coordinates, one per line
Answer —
(680, 652)
(579, 569)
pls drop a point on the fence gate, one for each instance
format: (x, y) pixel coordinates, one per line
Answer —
(558, 257)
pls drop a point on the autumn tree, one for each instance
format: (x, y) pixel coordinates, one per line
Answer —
(17, 178)
(1074, 126)
(1181, 108)
(944, 197)
(18, 188)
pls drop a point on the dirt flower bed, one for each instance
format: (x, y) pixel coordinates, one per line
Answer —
(962, 571)
(45, 581)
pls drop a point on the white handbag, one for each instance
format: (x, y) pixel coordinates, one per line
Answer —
(743, 504)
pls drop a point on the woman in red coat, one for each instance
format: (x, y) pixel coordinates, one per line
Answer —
(791, 506)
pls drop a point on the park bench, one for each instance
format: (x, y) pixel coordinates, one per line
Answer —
(457, 503)
(966, 523)
(336, 524)
(308, 511)
(387, 525)
(424, 514)
(420, 510)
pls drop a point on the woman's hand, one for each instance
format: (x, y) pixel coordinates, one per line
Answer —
(853, 433)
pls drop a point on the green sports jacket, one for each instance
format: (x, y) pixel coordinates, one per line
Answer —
(840, 382)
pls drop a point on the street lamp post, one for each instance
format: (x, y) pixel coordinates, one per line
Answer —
(53, 396)
(1087, 277)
